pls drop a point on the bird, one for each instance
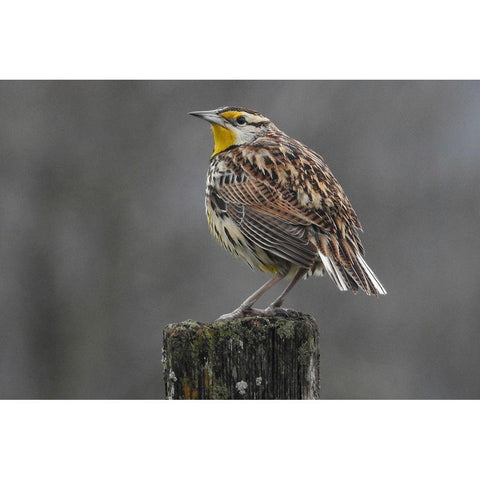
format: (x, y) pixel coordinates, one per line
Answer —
(274, 203)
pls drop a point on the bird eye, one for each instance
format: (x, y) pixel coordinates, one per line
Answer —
(241, 121)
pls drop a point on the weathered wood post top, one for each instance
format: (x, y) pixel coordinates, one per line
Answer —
(257, 357)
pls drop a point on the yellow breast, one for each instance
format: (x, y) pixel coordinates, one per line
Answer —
(223, 138)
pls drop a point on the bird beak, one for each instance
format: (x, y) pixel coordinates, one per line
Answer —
(210, 116)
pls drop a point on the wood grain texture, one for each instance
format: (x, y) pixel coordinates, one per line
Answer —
(248, 358)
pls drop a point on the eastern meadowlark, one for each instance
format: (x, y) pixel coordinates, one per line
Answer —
(273, 202)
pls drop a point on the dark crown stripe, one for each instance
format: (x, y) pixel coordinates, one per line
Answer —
(238, 109)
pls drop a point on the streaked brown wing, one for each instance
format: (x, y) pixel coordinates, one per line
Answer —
(262, 198)
(281, 238)
(288, 180)
(268, 220)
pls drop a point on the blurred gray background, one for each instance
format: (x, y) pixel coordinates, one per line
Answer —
(104, 238)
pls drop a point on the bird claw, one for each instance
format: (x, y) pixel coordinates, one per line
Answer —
(240, 313)
(271, 311)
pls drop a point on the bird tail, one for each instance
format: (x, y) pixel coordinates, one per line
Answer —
(347, 268)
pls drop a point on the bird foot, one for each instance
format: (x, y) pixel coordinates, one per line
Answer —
(240, 313)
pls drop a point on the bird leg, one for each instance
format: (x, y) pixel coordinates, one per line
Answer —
(246, 307)
(276, 304)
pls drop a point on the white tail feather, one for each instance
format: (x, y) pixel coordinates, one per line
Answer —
(333, 272)
(371, 275)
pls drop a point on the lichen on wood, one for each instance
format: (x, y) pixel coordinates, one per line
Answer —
(258, 357)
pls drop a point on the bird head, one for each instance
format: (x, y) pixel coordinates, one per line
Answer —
(234, 126)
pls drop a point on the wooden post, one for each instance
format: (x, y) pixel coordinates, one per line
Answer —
(256, 357)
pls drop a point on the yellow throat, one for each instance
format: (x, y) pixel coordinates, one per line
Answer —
(223, 138)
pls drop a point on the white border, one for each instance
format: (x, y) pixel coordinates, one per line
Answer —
(235, 439)
(239, 40)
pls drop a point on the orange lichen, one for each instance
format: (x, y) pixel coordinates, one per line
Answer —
(190, 393)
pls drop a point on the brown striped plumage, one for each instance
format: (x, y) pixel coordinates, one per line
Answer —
(274, 202)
